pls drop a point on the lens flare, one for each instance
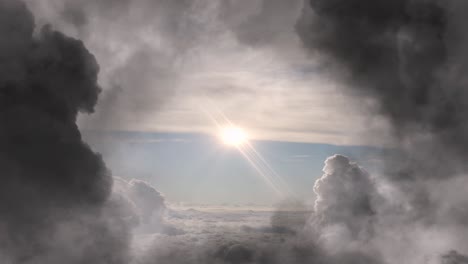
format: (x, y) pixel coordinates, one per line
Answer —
(236, 137)
(233, 136)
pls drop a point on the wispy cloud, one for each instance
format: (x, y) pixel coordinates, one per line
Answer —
(158, 70)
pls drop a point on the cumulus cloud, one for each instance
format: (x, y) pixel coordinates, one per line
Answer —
(346, 199)
(142, 205)
(359, 213)
(278, 236)
(54, 205)
(408, 57)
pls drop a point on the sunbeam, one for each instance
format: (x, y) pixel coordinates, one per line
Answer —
(237, 137)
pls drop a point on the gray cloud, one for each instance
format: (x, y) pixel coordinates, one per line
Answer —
(357, 212)
(407, 56)
(143, 206)
(453, 257)
(222, 243)
(160, 60)
(54, 205)
(140, 44)
(347, 196)
(262, 22)
(240, 236)
(404, 54)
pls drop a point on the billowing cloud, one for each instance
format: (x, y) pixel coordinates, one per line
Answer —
(210, 240)
(404, 58)
(143, 206)
(54, 205)
(409, 57)
(346, 197)
(357, 218)
(138, 42)
(282, 236)
(359, 213)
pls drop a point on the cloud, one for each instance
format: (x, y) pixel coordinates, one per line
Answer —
(346, 195)
(268, 23)
(279, 236)
(162, 61)
(139, 42)
(407, 57)
(358, 212)
(403, 59)
(144, 207)
(54, 194)
(453, 257)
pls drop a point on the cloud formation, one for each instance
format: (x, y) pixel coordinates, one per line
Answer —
(54, 205)
(409, 58)
(250, 236)
(139, 42)
(357, 218)
(162, 61)
(346, 198)
(143, 206)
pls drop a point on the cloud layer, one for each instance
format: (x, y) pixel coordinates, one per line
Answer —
(354, 220)
(165, 64)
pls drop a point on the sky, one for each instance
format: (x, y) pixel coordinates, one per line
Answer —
(233, 131)
(242, 59)
(213, 173)
(222, 61)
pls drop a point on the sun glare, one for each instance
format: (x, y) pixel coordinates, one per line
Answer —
(233, 136)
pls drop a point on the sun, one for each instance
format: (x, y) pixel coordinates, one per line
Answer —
(233, 136)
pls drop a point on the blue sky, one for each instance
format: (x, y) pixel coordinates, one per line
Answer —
(198, 168)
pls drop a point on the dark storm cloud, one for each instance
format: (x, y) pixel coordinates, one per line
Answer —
(392, 49)
(54, 194)
(402, 54)
(140, 43)
(409, 56)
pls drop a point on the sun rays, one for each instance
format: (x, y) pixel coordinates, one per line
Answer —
(235, 136)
